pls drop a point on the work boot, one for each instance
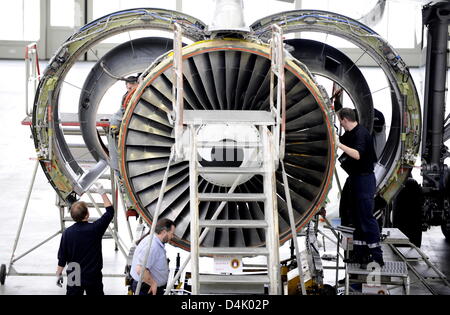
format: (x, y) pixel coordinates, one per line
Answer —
(364, 261)
(362, 255)
(377, 255)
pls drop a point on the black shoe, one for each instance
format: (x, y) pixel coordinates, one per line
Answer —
(364, 261)
(377, 256)
(379, 262)
(377, 259)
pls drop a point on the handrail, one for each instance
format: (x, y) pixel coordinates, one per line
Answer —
(178, 93)
(277, 69)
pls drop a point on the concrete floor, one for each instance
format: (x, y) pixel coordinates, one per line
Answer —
(42, 220)
(437, 249)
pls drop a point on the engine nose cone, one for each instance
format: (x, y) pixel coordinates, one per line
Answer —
(233, 154)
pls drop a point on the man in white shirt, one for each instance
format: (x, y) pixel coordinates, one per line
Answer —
(157, 269)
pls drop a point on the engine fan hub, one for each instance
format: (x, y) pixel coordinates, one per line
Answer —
(231, 155)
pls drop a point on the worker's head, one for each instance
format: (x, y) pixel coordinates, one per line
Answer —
(165, 229)
(79, 211)
(131, 82)
(347, 118)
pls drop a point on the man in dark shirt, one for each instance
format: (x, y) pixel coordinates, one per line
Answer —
(358, 160)
(81, 249)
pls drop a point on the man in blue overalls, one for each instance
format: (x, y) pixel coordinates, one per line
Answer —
(358, 160)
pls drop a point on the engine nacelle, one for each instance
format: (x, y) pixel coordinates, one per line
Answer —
(223, 74)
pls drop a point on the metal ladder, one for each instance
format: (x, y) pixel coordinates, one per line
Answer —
(70, 126)
(272, 146)
(269, 224)
(410, 254)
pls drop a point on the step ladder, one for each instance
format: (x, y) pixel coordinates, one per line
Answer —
(372, 279)
(268, 197)
(393, 273)
(270, 222)
(270, 149)
(70, 125)
(411, 254)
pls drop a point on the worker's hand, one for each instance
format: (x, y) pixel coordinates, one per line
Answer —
(97, 188)
(336, 140)
(153, 288)
(59, 280)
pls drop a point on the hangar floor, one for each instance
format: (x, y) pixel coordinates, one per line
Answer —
(16, 167)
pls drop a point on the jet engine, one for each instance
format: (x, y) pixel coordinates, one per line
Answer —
(228, 70)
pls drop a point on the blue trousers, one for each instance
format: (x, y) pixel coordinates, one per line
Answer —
(93, 289)
(367, 230)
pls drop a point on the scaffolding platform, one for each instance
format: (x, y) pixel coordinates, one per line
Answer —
(393, 273)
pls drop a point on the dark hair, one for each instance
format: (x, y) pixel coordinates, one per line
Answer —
(78, 211)
(347, 113)
(162, 225)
